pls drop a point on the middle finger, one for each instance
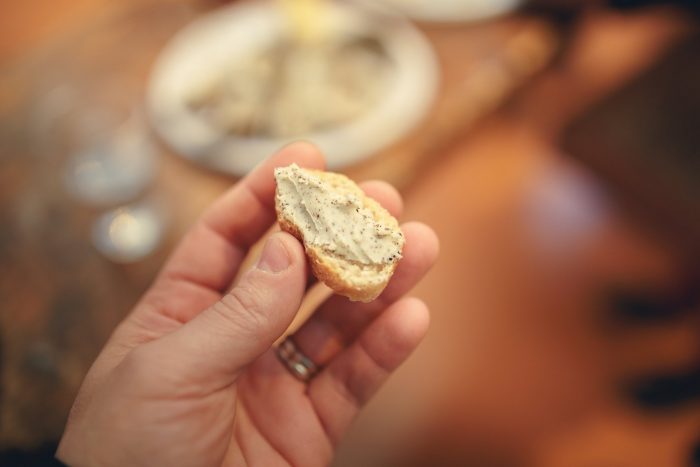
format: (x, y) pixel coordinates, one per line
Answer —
(338, 320)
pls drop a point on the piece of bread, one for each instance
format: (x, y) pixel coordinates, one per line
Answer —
(353, 244)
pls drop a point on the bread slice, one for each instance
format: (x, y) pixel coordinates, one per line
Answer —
(353, 244)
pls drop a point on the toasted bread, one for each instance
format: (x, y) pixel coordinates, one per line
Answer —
(352, 242)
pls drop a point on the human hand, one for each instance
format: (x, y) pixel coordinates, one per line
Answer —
(190, 376)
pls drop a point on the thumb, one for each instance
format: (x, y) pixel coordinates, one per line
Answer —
(232, 333)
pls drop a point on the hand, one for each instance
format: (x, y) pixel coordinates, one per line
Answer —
(189, 377)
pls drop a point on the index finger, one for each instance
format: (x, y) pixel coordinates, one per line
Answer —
(212, 251)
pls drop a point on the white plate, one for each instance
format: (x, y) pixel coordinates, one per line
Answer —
(452, 10)
(210, 44)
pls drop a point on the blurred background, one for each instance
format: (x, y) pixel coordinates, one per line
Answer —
(553, 145)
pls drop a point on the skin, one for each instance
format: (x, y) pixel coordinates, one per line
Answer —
(190, 378)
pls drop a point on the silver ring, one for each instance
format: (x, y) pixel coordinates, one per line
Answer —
(298, 364)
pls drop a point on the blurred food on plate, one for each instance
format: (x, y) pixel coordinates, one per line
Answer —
(244, 79)
(293, 88)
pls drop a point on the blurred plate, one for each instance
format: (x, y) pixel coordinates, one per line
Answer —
(452, 10)
(211, 43)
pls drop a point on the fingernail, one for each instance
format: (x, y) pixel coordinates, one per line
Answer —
(274, 257)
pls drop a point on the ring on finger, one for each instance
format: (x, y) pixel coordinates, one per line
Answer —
(298, 364)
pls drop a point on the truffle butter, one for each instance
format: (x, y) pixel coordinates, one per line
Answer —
(335, 221)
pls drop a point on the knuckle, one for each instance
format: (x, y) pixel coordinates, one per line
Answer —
(243, 308)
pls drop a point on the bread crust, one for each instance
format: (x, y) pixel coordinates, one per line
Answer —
(327, 268)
